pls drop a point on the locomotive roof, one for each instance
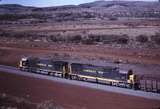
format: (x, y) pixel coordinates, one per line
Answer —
(94, 66)
(46, 61)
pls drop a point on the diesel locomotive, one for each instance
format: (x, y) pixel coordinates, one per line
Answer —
(78, 71)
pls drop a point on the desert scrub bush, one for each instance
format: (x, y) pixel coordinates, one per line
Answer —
(11, 17)
(13, 102)
(75, 39)
(37, 9)
(48, 105)
(113, 18)
(88, 15)
(156, 38)
(108, 39)
(122, 40)
(10, 34)
(95, 38)
(119, 39)
(91, 39)
(87, 41)
(15, 17)
(57, 38)
(142, 39)
(54, 38)
(65, 16)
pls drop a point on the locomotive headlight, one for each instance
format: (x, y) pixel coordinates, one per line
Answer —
(20, 64)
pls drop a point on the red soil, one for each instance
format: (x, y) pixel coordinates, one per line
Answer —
(129, 55)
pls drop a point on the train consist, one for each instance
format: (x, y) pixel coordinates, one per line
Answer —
(85, 72)
(77, 71)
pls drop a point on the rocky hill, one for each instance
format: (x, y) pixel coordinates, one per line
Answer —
(88, 11)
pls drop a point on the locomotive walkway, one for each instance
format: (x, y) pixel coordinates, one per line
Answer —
(148, 95)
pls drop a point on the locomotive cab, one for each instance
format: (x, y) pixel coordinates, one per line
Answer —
(66, 70)
(23, 63)
(132, 80)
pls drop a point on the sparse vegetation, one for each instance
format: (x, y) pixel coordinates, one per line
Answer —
(15, 17)
(48, 105)
(142, 39)
(81, 19)
(12, 102)
(89, 39)
(113, 18)
(76, 39)
(156, 38)
(69, 16)
(122, 41)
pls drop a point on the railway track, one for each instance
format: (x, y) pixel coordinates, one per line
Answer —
(83, 29)
(148, 95)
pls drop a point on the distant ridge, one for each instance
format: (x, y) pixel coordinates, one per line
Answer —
(97, 9)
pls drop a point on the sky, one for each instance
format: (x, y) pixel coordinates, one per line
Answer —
(45, 3)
